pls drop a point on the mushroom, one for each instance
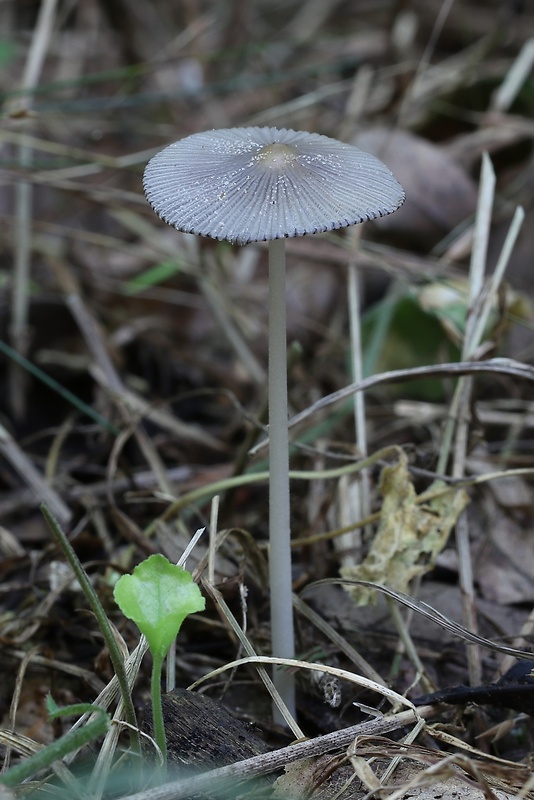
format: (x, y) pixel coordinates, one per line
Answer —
(247, 185)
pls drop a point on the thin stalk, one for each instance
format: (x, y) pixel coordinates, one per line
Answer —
(157, 710)
(282, 630)
(354, 540)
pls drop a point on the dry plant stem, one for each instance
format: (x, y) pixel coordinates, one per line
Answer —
(23, 208)
(214, 517)
(463, 393)
(476, 280)
(503, 366)
(432, 614)
(278, 759)
(15, 701)
(488, 297)
(477, 267)
(341, 643)
(106, 755)
(280, 579)
(212, 295)
(18, 459)
(97, 347)
(406, 643)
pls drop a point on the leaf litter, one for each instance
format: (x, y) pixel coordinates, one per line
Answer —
(429, 92)
(409, 536)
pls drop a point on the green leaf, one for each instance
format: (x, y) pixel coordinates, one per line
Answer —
(51, 705)
(158, 596)
(411, 336)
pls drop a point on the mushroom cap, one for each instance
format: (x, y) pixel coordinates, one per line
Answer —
(255, 184)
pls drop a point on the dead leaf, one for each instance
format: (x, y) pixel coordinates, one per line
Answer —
(505, 560)
(409, 536)
(439, 193)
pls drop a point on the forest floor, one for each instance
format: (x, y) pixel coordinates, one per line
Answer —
(134, 362)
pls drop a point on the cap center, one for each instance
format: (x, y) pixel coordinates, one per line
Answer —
(277, 156)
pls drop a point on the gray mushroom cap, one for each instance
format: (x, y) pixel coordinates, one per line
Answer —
(255, 184)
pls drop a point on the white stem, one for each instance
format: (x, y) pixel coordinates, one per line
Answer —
(282, 635)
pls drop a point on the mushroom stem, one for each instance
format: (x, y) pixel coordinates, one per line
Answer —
(282, 634)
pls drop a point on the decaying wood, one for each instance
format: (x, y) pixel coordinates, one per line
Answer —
(202, 734)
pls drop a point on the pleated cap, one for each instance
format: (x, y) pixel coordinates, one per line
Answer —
(255, 184)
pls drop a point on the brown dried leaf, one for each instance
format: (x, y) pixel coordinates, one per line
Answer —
(409, 536)
(505, 561)
(439, 193)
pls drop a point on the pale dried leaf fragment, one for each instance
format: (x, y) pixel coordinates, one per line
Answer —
(409, 536)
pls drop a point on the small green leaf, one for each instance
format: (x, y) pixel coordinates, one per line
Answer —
(51, 705)
(158, 596)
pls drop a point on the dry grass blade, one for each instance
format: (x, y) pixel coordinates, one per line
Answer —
(498, 773)
(480, 303)
(29, 474)
(394, 697)
(254, 658)
(518, 73)
(459, 420)
(432, 614)
(15, 702)
(502, 366)
(23, 208)
(337, 639)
